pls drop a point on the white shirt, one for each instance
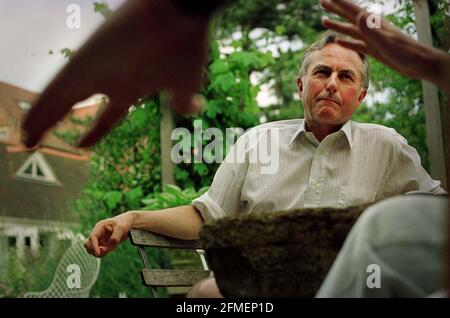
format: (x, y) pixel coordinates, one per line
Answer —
(359, 164)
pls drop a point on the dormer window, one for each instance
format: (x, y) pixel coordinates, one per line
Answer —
(24, 105)
(36, 168)
(4, 133)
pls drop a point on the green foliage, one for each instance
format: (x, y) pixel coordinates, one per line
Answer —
(287, 27)
(172, 196)
(298, 18)
(129, 157)
(69, 136)
(30, 272)
(231, 102)
(103, 9)
(112, 199)
(133, 198)
(66, 52)
(72, 136)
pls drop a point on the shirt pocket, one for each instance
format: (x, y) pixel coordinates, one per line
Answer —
(354, 196)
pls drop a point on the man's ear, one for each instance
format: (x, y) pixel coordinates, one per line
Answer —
(299, 87)
(362, 95)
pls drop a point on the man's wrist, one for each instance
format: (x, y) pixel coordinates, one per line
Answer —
(132, 217)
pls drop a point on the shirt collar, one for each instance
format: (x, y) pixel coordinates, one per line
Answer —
(346, 129)
(297, 132)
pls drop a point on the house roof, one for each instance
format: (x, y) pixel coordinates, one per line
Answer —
(27, 197)
(10, 95)
(37, 200)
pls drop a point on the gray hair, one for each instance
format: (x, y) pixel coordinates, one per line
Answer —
(327, 38)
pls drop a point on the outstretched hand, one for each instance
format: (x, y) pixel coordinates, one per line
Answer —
(385, 42)
(145, 47)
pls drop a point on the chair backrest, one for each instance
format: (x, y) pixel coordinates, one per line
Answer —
(167, 277)
(75, 274)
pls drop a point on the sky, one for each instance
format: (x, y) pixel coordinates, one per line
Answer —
(29, 30)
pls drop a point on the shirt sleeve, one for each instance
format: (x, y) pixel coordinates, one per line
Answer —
(224, 196)
(407, 174)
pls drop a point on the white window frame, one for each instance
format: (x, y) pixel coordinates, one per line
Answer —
(37, 160)
(4, 133)
(24, 105)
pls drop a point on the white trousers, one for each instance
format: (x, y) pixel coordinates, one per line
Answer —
(397, 248)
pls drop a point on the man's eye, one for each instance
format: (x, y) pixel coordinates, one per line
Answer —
(347, 77)
(322, 72)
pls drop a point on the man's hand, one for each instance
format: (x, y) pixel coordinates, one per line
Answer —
(145, 47)
(386, 43)
(107, 234)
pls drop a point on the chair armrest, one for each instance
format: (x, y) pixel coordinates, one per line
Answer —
(146, 238)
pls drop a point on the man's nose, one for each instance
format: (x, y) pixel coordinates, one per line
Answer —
(331, 85)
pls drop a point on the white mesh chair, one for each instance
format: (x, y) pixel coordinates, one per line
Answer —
(63, 284)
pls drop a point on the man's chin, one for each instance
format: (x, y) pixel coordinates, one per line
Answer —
(327, 115)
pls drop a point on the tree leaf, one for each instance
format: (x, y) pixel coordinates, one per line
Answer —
(112, 199)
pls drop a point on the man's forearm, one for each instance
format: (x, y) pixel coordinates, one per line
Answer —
(182, 222)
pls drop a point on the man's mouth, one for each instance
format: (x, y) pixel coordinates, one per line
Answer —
(328, 99)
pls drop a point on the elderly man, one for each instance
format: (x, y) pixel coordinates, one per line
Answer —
(324, 160)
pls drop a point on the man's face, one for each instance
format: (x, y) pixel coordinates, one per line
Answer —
(332, 88)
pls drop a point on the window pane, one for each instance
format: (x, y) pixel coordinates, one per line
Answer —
(39, 171)
(29, 170)
(11, 241)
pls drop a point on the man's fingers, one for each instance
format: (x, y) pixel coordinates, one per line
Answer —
(53, 104)
(356, 45)
(97, 237)
(87, 246)
(105, 122)
(342, 27)
(94, 245)
(342, 8)
(375, 34)
(98, 243)
(103, 251)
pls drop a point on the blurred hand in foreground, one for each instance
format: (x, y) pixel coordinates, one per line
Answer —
(388, 44)
(145, 47)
